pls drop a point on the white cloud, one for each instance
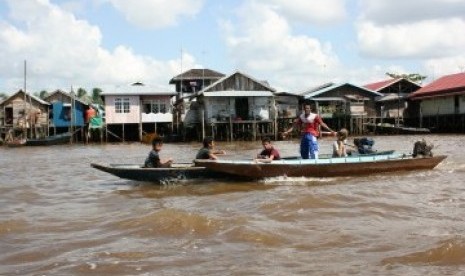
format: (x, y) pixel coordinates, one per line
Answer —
(384, 12)
(436, 68)
(321, 13)
(62, 51)
(424, 39)
(263, 43)
(428, 31)
(157, 13)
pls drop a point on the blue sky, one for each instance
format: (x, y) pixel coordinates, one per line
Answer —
(292, 44)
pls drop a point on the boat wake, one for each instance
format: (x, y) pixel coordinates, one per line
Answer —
(302, 181)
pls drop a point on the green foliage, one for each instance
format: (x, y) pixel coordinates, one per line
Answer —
(3, 96)
(415, 77)
(96, 92)
(43, 94)
(81, 93)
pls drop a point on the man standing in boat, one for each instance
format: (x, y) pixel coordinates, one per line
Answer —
(309, 124)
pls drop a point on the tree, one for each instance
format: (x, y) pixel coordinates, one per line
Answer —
(96, 92)
(81, 93)
(43, 94)
(415, 77)
(3, 96)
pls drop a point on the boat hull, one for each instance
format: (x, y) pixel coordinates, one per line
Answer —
(158, 175)
(353, 166)
(328, 156)
(59, 139)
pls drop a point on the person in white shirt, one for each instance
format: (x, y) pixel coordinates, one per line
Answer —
(340, 145)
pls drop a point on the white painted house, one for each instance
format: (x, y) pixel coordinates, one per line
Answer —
(138, 108)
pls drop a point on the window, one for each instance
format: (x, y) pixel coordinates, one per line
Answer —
(162, 107)
(122, 105)
(126, 106)
(155, 106)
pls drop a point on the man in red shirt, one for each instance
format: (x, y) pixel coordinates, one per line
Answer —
(269, 153)
(309, 124)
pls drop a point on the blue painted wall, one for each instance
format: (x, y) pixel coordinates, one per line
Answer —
(62, 114)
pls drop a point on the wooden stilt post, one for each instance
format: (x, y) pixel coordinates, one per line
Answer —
(203, 123)
(124, 134)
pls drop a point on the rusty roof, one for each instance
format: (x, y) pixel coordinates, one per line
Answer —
(376, 86)
(449, 84)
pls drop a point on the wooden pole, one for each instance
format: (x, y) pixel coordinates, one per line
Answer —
(202, 112)
(230, 129)
(123, 134)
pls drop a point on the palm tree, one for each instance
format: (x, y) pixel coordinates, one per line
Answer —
(43, 94)
(415, 77)
(96, 95)
(81, 93)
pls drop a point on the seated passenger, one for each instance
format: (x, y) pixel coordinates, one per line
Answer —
(269, 153)
(340, 145)
(208, 151)
(153, 160)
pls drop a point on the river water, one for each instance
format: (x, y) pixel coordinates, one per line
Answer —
(58, 216)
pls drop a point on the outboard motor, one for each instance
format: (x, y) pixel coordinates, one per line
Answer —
(364, 145)
(422, 149)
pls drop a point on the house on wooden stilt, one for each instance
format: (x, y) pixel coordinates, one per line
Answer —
(235, 107)
(442, 104)
(22, 116)
(344, 105)
(137, 111)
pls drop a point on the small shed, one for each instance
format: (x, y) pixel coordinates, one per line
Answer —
(394, 102)
(66, 111)
(345, 99)
(24, 112)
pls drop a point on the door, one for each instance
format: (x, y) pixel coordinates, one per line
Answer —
(242, 108)
(8, 116)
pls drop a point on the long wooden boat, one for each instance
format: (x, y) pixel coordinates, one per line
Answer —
(58, 139)
(327, 156)
(350, 166)
(392, 129)
(15, 143)
(177, 171)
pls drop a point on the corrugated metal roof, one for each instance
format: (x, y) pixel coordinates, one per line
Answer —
(442, 86)
(335, 86)
(28, 95)
(138, 89)
(313, 89)
(196, 74)
(265, 84)
(392, 97)
(135, 93)
(66, 94)
(376, 86)
(238, 94)
(328, 99)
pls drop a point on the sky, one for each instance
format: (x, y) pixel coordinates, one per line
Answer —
(294, 45)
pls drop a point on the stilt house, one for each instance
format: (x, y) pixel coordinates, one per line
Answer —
(24, 113)
(234, 107)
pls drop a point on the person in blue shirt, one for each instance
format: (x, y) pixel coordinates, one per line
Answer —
(153, 159)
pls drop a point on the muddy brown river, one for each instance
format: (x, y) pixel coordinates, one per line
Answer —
(58, 216)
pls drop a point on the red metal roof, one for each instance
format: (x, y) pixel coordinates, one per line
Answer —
(447, 84)
(376, 86)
